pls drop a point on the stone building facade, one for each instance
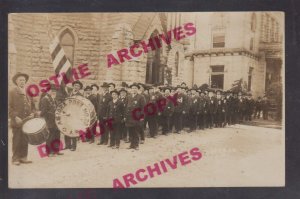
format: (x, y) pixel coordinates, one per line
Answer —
(226, 47)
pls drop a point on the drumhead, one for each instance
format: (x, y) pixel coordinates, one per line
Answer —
(74, 114)
(34, 125)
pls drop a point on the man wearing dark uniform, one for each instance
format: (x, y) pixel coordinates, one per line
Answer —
(141, 91)
(152, 119)
(200, 110)
(47, 107)
(167, 113)
(103, 102)
(212, 109)
(132, 118)
(71, 142)
(193, 109)
(21, 106)
(180, 110)
(124, 131)
(115, 111)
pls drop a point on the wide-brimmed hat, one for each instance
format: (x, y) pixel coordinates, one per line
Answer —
(135, 84)
(88, 88)
(77, 82)
(122, 89)
(124, 84)
(105, 85)
(95, 85)
(114, 91)
(112, 84)
(19, 74)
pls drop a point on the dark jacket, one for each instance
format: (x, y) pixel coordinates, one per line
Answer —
(103, 106)
(20, 105)
(133, 103)
(194, 105)
(169, 109)
(116, 111)
(182, 103)
(47, 107)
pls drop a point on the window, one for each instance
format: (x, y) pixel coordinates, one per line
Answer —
(253, 22)
(219, 41)
(68, 44)
(251, 43)
(217, 76)
(176, 64)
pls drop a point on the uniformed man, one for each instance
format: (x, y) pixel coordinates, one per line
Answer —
(258, 107)
(71, 142)
(142, 92)
(47, 108)
(152, 119)
(250, 107)
(180, 109)
(167, 113)
(220, 109)
(21, 107)
(103, 102)
(212, 109)
(124, 131)
(193, 109)
(135, 102)
(200, 110)
(115, 111)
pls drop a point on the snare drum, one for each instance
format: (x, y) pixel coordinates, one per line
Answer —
(36, 131)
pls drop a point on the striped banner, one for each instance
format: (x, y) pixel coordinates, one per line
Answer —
(61, 64)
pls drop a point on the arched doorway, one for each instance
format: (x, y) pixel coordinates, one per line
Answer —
(154, 68)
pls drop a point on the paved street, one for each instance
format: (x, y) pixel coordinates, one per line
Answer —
(239, 155)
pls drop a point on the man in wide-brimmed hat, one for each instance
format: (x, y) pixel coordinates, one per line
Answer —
(103, 102)
(123, 128)
(71, 142)
(135, 102)
(47, 107)
(21, 107)
(115, 111)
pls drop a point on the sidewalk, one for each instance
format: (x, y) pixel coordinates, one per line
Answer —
(264, 123)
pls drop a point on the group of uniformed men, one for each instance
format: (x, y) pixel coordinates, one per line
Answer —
(195, 109)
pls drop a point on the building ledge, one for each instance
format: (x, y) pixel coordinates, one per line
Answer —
(222, 52)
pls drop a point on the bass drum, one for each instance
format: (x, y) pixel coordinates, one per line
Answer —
(36, 131)
(75, 114)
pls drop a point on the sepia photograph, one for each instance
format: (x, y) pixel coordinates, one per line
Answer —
(146, 99)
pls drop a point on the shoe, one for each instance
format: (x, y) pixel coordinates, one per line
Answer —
(91, 142)
(17, 163)
(73, 149)
(136, 148)
(59, 153)
(142, 141)
(26, 161)
(130, 147)
(117, 147)
(110, 145)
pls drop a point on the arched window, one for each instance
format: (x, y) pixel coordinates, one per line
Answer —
(253, 22)
(67, 42)
(176, 64)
